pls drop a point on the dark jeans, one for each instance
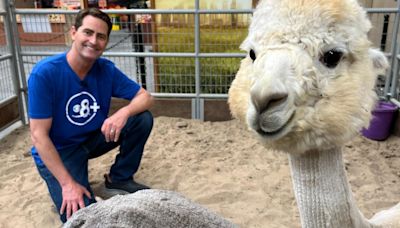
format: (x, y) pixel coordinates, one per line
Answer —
(132, 140)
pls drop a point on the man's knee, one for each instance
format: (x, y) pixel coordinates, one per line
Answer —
(145, 120)
(142, 122)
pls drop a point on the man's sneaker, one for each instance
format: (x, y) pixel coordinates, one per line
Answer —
(129, 186)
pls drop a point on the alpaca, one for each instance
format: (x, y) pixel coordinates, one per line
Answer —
(306, 88)
(147, 208)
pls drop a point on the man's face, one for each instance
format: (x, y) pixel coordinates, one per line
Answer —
(91, 38)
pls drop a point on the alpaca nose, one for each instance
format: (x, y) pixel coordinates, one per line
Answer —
(264, 103)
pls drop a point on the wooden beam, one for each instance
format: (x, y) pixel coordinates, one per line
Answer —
(254, 3)
(153, 4)
(9, 113)
(84, 4)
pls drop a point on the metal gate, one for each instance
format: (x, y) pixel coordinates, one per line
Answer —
(187, 54)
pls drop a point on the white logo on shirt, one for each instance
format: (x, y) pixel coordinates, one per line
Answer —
(81, 108)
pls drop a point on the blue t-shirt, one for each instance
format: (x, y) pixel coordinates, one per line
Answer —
(77, 107)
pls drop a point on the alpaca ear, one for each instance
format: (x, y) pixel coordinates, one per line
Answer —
(379, 61)
(245, 46)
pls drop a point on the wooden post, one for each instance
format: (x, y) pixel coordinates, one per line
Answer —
(254, 3)
(84, 4)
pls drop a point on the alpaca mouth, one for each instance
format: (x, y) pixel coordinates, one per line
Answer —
(277, 132)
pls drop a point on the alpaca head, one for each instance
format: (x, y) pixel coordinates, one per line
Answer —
(308, 80)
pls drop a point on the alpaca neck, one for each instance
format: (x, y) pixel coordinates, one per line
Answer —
(322, 191)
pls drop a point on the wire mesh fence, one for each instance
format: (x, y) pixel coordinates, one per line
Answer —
(181, 53)
(46, 33)
(7, 86)
(6, 81)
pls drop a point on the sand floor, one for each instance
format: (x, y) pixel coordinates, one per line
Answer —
(217, 164)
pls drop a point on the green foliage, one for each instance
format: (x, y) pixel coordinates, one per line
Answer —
(177, 75)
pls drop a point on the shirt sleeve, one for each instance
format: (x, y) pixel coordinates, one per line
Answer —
(40, 97)
(124, 87)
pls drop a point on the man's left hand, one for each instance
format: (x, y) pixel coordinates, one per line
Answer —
(113, 125)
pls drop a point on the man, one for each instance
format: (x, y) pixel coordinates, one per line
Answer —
(69, 99)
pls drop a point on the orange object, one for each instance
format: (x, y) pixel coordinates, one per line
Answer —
(102, 4)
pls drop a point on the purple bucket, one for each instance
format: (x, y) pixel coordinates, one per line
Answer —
(381, 123)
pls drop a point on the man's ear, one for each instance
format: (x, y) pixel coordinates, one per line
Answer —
(72, 31)
(379, 61)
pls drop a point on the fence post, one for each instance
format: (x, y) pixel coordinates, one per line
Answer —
(198, 110)
(391, 74)
(395, 57)
(17, 61)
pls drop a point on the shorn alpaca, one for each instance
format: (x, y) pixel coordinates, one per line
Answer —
(306, 88)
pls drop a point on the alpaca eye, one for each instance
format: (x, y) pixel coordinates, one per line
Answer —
(252, 54)
(331, 58)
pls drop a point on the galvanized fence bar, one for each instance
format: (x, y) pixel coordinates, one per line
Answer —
(395, 77)
(393, 61)
(164, 11)
(154, 54)
(196, 111)
(10, 60)
(18, 69)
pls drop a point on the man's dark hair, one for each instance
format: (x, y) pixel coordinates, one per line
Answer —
(94, 12)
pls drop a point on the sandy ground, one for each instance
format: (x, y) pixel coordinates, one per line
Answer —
(217, 164)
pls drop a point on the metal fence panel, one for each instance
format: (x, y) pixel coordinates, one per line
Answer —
(157, 50)
(6, 78)
(172, 53)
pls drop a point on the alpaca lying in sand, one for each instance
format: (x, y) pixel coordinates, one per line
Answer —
(306, 88)
(147, 208)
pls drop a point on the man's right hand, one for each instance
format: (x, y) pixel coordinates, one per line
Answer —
(72, 194)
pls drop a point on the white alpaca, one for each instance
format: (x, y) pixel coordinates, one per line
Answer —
(306, 88)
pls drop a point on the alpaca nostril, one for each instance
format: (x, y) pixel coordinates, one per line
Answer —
(262, 104)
